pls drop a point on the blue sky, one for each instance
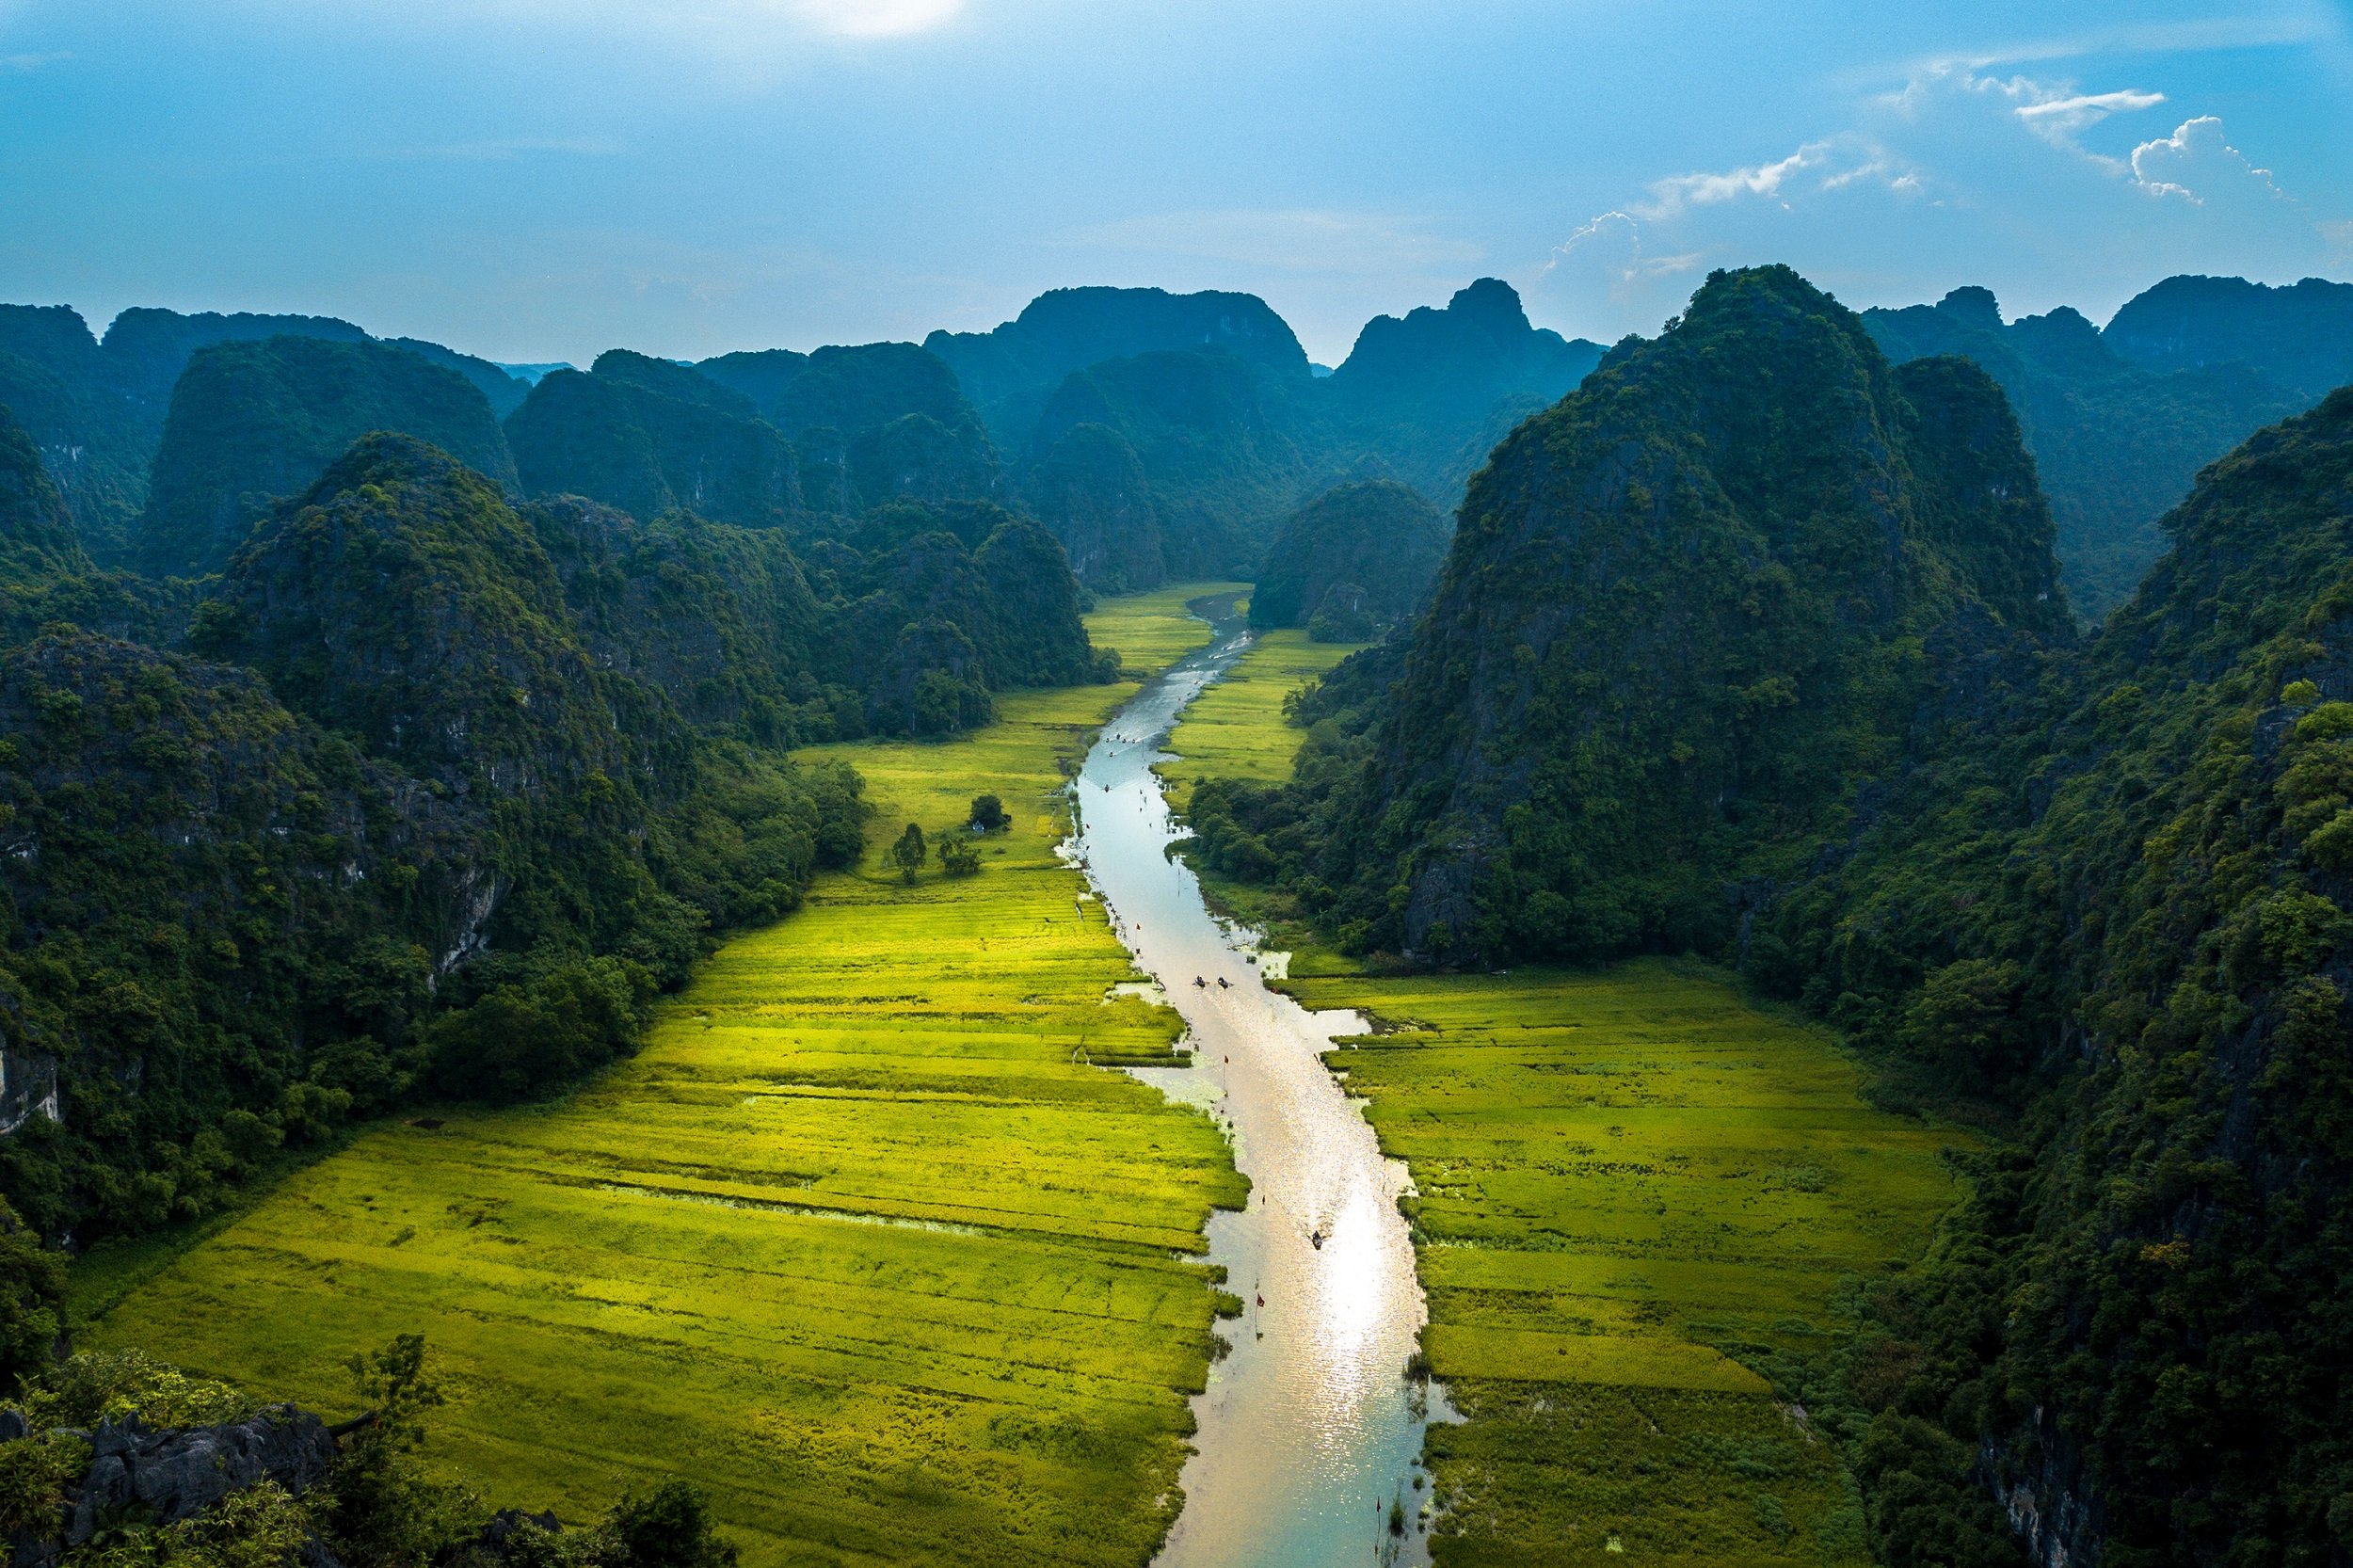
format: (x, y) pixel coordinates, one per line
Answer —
(541, 179)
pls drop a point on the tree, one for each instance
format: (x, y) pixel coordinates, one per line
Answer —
(908, 852)
(988, 813)
(957, 857)
(32, 1299)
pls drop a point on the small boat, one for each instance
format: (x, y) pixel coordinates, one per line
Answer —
(1203, 983)
(1317, 1236)
(1221, 984)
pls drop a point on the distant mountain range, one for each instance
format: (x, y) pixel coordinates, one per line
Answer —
(1155, 434)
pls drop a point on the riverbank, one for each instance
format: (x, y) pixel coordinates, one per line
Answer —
(1644, 1209)
(858, 1242)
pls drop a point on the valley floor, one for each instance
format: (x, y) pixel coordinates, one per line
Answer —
(1644, 1209)
(858, 1242)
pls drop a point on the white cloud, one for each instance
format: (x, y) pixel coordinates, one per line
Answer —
(1831, 164)
(24, 63)
(1956, 177)
(2196, 163)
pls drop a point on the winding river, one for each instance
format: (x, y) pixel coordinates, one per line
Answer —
(1309, 1431)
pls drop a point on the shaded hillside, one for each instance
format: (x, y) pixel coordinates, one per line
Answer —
(2298, 336)
(1683, 615)
(505, 392)
(932, 609)
(2127, 906)
(46, 574)
(1090, 489)
(97, 411)
(1352, 563)
(230, 929)
(1227, 448)
(254, 422)
(1749, 647)
(1432, 394)
(57, 384)
(719, 619)
(2116, 444)
(1012, 371)
(647, 437)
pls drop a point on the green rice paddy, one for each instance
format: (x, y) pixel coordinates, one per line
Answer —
(1235, 729)
(859, 1242)
(1153, 630)
(1636, 1195)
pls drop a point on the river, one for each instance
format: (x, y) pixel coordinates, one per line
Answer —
(1309, 1432)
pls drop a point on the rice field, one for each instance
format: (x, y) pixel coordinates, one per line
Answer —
(1153, 630)
(1638, 1199)
(1235, 729)
(860, 1241)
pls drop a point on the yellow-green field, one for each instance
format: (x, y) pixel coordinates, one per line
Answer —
(859, 1242)
(1235, 729)
(1634, 1190)
(1153, 630)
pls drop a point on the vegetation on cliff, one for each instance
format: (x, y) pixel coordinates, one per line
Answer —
(2116, 443)
(1351, 564)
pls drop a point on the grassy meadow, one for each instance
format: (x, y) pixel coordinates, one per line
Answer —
(859, 1241)
(1641, 1201)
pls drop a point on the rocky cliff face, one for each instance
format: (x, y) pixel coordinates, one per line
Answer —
(647, 437)
(1011, 372)
(1433, 391)
(1090, 489)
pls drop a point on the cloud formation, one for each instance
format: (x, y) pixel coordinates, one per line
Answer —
(1831, 164)
(2014, 169)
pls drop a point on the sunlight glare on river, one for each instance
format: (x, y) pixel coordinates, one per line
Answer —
(1309, 1432)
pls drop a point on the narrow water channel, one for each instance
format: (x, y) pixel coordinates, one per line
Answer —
(1309, 1431)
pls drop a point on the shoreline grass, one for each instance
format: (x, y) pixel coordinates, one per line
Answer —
(859, 1242)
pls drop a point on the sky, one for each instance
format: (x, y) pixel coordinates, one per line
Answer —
(538, 179)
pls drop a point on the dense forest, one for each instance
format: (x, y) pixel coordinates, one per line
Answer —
(1825, 718)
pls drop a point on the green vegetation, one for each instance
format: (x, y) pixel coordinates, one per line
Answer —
(228, 928)
(1353, 562)
(254, 422)
(2300, 336)
(2092, 897)
(1616, 708)
(2117, 443)
(1432, 392)
(1644, 1215)
(1647, 1217)
(860, 1240)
